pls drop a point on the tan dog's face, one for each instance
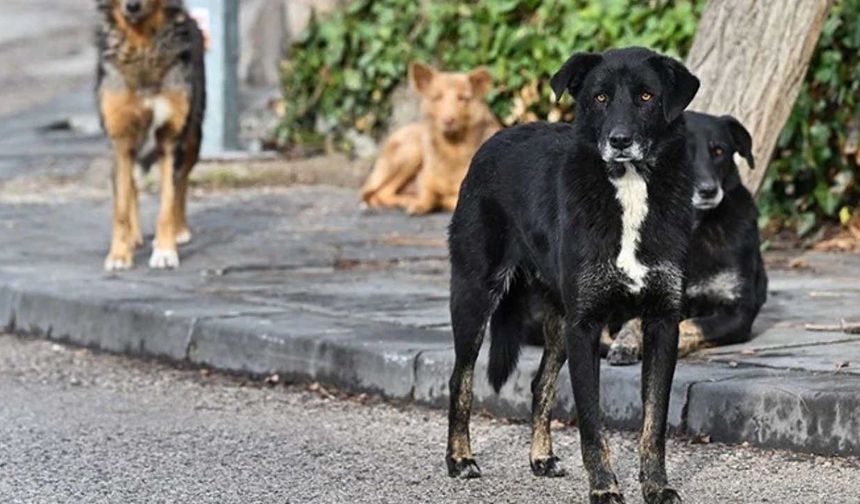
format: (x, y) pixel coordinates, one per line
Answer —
(136, 11)
(450, 100)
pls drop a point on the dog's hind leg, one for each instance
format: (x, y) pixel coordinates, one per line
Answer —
(659, 355)
(541, 458)
(727, 326)
(583, 339)
(183, 233)
(470, 311)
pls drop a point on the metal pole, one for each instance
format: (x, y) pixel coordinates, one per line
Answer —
(220, 19)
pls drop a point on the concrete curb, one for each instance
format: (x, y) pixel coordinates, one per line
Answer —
(811, 412)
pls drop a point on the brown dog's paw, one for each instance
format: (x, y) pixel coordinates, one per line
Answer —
(549, 467)
(183, 237)
(164, 259)
(118, 261)
(465, 468)
(418, 209)
(663, 496)
(626, 349)
(622, 353)
(606, 497)
(690, 338)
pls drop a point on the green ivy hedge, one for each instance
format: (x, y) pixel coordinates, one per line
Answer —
(340, 75)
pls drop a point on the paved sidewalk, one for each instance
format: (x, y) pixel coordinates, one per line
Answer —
(302, 283)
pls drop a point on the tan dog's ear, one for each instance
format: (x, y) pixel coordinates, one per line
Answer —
(481, 81)
(420, 76)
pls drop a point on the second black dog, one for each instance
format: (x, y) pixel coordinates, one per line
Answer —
(727, 282)
(595, 216)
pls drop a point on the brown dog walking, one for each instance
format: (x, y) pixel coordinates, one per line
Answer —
(151, 96)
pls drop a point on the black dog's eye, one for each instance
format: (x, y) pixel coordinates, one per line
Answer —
(601, 98)
(646, 96)
(718, 151)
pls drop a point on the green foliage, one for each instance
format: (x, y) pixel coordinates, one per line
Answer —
(343, 70)
(341, 73)
(814, 171)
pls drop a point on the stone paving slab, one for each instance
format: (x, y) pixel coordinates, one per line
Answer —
(304, 283)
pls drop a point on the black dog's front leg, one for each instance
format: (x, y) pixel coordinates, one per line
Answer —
(583, 339)
(660, 353)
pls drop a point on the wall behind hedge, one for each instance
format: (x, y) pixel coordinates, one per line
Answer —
(341, 72)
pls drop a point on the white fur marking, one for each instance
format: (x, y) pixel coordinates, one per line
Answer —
(116, 264)
(725, 286)
(164, 259)
(161, 110)
(631, 191)
(183, 237)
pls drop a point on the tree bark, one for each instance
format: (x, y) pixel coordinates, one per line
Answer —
(752, 57)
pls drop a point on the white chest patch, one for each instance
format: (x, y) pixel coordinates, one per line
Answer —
(161, 110)
(724, 286)
(631, 191)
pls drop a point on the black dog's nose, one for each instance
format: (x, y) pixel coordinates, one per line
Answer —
(133, 7)
(708, 191)
(620, 138)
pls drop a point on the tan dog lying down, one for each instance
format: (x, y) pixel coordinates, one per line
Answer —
(435, 152)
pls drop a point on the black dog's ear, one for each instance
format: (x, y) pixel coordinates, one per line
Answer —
(741, 138)
(679, 85)
(572, 74)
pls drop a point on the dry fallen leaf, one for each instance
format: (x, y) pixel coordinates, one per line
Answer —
(798, 263)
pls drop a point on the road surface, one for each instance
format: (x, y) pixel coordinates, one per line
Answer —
(77, 426)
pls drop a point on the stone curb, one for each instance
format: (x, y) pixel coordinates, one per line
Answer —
(811, 412)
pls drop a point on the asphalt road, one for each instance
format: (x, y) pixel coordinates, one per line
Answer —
(81, 427)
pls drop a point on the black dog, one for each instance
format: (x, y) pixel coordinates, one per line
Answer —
(727, 282)
(596, 216)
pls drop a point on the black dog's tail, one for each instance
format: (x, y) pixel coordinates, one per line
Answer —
(518, 319)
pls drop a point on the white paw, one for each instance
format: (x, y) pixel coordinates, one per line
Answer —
(164, 259)
(183, 237)
(117, 264)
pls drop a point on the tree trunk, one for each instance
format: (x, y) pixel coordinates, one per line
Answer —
(752, 57)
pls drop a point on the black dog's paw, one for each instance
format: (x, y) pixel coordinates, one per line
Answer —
(622, 355)
(548, 467)
(663, 496)
(606, 497)
(464, 468)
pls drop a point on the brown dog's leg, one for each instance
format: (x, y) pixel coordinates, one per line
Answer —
(397, 165)
(387, 196)
(164, 253)
(426, 201)
(543, 461)
(449, 202)
(659, 355)
(134, 213)
(583, 338)
(183, 233)
(121, 252)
